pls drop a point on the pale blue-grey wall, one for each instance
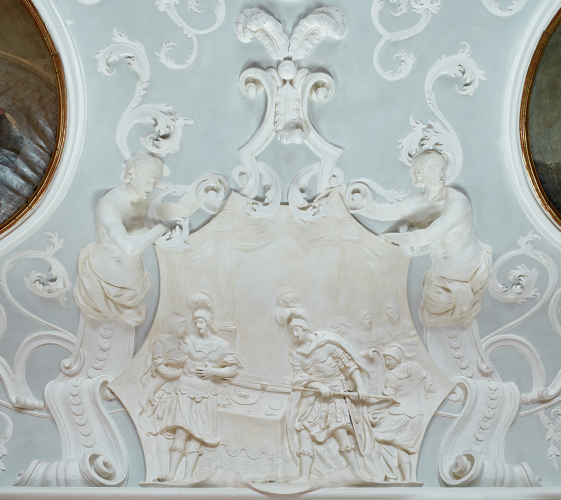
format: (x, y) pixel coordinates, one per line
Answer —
(367, 117)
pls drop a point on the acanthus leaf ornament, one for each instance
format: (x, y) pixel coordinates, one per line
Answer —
(58, 284)
(6, 435)
(522, 278)
(168, 124)
(494, 7)
(288, 90)
(14, 378)
(168, 6)
(441, 135)
(553, 435)
(208, 192)
(423, 7)
(524, 292)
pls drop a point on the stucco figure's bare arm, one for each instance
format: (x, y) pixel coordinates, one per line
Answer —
(168, 373)
(129, 244)
(360, 388)
(435, 231)
(391, 211)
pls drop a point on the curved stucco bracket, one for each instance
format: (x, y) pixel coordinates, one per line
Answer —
(75, 125)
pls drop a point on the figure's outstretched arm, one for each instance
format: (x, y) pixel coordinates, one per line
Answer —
(128, 243)
(390, 211)
(424, 237)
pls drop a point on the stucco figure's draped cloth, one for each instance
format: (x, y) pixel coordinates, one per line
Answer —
(330, 360)
(449, 301)
(401, 426)
(168, 405)
(120, 298)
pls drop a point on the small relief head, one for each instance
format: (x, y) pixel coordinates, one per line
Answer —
(429, 169)
(176, 324)
(201, 324)
(143, 172)
(391, 362)
(393, 311)
(395, 354)
(366, 320)
(300, 328)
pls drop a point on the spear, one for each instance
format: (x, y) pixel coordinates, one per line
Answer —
(264, 384)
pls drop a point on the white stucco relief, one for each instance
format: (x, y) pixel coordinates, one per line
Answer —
(382, 386)
(495, 8)
(288, 89)
(6, 435)
(453, 290)
(168, 124)
(112, 283)
(168, 6)
(389, 388)
(425, 8)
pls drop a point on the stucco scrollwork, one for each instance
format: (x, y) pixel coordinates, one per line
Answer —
(522, 278)
(425, 8)
(440, 134)
(288, 89)
(168, 124)
(435, 135)
(168, 6)
(14, 378)
(208, 193)
(494, 7)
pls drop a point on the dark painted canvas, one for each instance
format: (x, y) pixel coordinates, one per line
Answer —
(544, 124)
(28, 107)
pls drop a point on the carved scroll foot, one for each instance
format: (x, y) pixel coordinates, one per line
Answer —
(93, 452)
(472, 452)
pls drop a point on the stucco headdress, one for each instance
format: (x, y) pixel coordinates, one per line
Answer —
(289, 311)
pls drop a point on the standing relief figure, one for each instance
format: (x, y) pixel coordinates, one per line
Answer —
(399, 421)
(179, 401)
(324, 366)
(455, 285)
(112, 280)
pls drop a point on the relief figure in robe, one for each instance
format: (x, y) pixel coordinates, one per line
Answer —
(179, 401)
(398, 326)
(454, 287)
(398, 422)
(325, 363)
(112, 281)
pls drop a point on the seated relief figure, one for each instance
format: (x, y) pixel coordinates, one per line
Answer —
(112, 280)
(180, 397)
(398, 326)
(455, 285)
(364, 335)
(398, 422)
(324, 366)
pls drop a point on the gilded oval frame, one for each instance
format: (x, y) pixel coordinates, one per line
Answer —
(524, 114)
(39, 192)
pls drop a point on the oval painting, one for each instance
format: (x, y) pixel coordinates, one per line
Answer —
(30, 110)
